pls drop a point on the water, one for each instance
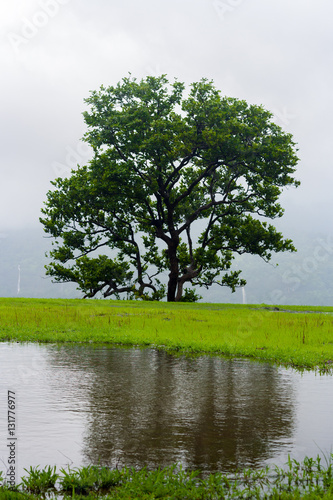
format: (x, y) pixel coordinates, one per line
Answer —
(80, 405)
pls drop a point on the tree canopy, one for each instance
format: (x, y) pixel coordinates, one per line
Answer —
(181, 180)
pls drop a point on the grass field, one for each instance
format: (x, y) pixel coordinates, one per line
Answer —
(293, 335)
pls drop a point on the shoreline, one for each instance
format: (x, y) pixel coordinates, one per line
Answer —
(283, 335)
(307, 479)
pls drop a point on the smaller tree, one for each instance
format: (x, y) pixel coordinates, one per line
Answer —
(165, 167)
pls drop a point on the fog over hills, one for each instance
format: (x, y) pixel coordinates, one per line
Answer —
(302, 278)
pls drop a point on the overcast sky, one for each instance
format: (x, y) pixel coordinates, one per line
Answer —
(54, 52)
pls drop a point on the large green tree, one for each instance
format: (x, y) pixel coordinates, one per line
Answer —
(181, 180)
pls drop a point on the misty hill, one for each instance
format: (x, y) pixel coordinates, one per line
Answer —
(303, 278)
(22, 273)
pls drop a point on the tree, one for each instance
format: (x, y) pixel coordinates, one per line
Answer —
(167, 166)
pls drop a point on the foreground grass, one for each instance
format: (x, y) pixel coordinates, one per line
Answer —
(309, 479)
(302, 338)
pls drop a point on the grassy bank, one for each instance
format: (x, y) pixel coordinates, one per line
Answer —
(296, 336)
(309, 479)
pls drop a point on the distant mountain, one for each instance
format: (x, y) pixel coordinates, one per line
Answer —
(22, 260)
(303, 278)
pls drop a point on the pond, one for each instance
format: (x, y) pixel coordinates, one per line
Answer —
(77, 405)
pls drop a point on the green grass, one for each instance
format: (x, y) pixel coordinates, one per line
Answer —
(309, 479)
(300, 338)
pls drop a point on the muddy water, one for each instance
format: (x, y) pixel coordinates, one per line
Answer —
(81, 405)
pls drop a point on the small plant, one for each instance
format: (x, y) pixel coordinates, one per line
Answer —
(40, 481)
(108, 478)
(189, 295)
(83, 481)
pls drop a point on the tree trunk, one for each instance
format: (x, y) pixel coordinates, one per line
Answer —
(174, 272)
(188, 276)
(179, 290)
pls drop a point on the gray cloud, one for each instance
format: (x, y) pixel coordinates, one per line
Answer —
(53, 52)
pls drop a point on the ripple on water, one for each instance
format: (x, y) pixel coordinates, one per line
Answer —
(78, 405)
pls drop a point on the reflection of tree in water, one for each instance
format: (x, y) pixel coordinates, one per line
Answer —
(245, 413)
(146, 407)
